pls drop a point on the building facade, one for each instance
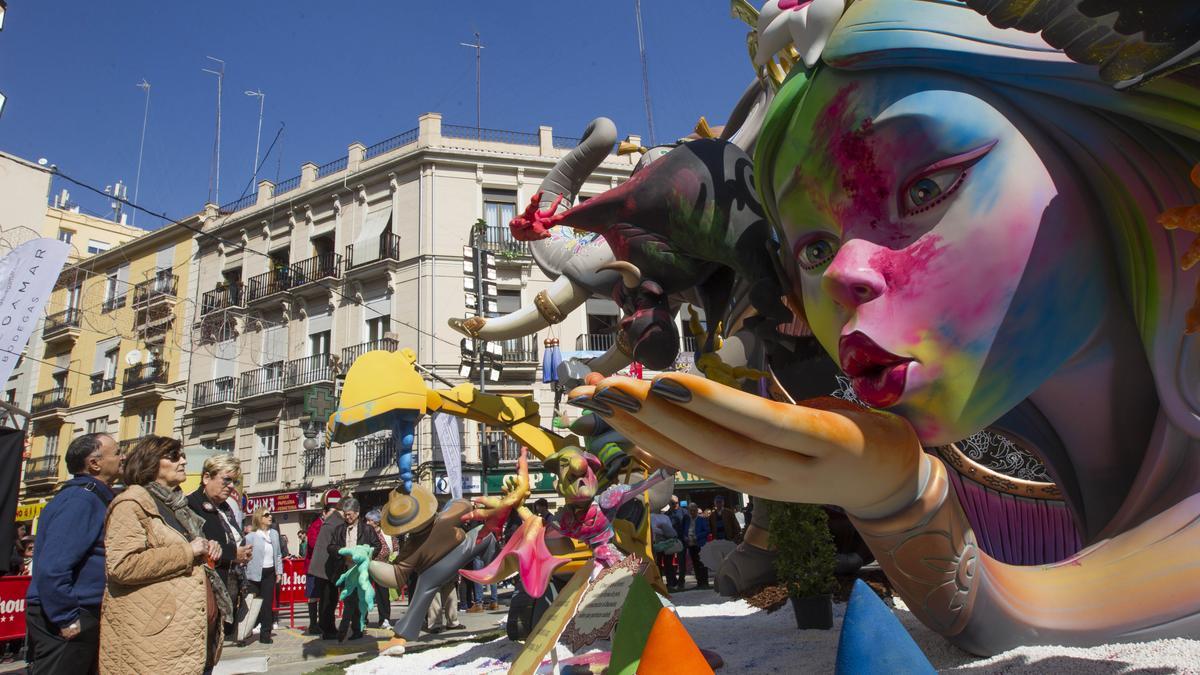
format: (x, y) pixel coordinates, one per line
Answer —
(112, 354)
(366, 252)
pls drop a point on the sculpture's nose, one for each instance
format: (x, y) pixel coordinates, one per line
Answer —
(851, 280)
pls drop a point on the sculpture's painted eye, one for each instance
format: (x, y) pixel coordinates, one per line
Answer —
(936, 182)
(816, 253)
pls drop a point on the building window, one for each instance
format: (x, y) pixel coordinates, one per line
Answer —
(96, 246)
(318, 343)
(65, 235)
(499, 208)
(147, 420)
(97, 425)
(73, 296)
(60, 379)
(268, 442)
(51, 445)
(377, 327)
(110, 363)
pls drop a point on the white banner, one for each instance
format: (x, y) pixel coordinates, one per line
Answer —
(449, 433)
(27, 277)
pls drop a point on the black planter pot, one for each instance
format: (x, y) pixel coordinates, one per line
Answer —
(814, 611)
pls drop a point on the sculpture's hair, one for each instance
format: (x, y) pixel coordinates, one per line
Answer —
(1132, 148)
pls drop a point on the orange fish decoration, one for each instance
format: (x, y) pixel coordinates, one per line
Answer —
(1188, 218)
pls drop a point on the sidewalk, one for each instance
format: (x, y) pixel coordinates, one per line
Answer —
(294, 653)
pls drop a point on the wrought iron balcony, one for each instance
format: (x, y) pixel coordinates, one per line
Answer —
(270, 283)
(374, 452)
(268, 468)
(266, 380)
(314, 462)
(212, 392)
(161, 288)
(60, 324)
(223, 297)
(349, 354)
(520, 350)
(595, 342)
(112, 304)
(507, 448)
(501, 241)
(41, 468)
(101, 384)
(389, 249)
(50, 400)
(309, 370)
(146, 374)
(323, 266)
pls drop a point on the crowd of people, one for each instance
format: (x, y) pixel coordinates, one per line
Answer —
(154, 579)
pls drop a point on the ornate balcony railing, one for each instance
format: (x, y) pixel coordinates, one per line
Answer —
(240, 203)
(60, 321)
(309, 370)
(101, 384)
(490, 135)
(565, 142)
(322, 266)
(314, 462)
(374, 452)
(162, 286)
(269, 283)
(268, 468)
(220, 390)
(39, 468)
(223, 297)
(263, 380)
(508, 449)
(389, 249)
(332, 167)
(287, 185)
(349, 354)
(397, 141)
(520, 350)
(501, 241)
(144, 374)
(59, 397)
(595, 342)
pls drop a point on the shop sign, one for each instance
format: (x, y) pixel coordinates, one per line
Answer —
(685, 478)
(540, 481)
(30, 511)
(286, 501)
(470, 484)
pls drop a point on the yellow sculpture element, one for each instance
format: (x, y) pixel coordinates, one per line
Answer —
(703, 130)
(710, 362)
(1188, 218)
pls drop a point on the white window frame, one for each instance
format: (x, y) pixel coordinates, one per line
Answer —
(267, 440)
(97, 425)
(147, 422)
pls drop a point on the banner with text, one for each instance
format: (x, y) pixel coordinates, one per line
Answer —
(27, 276)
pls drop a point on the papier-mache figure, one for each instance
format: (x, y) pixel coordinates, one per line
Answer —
(355, 580)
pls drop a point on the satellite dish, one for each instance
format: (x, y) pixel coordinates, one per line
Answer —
(134, 357)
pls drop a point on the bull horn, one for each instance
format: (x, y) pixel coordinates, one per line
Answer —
(550, 307)
(631, 276)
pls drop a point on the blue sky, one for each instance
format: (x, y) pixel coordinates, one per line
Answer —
(336, 73)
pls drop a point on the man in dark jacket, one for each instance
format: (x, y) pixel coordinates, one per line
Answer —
(349, 534)
(722, 522)
(210, 502)
(327, 592)
(62, 609)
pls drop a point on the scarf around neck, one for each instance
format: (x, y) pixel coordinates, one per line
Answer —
(176, 502)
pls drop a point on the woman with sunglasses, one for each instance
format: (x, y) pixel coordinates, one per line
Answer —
(265, 565)
(210, 501)
(163, 604)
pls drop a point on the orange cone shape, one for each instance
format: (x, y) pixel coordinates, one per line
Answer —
(670, 650)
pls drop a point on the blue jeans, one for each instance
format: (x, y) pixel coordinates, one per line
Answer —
(478, 564)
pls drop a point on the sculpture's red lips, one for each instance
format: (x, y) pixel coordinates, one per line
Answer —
(878, 376)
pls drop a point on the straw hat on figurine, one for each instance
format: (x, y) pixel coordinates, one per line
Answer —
(409, 512)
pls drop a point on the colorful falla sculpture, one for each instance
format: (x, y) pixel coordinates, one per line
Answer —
(966, 218)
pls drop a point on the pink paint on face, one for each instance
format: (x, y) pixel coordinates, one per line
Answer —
(794, 4)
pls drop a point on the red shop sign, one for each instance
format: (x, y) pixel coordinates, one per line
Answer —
(286, 501)
(12, 607)
(291, 587)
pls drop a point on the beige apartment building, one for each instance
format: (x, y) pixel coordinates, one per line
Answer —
(365, 252)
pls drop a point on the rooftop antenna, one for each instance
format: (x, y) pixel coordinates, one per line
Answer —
(214, 174)
(262, 100)
(137, 183)
(637, 9)
(477, 46)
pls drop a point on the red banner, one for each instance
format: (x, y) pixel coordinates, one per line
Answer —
(291, 586)
(12, 607)
(286, 501)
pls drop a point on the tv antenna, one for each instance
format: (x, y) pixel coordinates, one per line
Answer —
(137, 183)
(637, 9)
(214, 174)
(478, 47)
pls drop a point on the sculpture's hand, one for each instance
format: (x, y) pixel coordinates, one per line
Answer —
(493, 511)
(534, 224)
(827, 451)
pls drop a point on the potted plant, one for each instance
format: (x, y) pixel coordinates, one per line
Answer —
(806, 560)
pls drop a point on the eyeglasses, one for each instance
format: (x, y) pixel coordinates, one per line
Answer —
(226, 480)
(175, 455)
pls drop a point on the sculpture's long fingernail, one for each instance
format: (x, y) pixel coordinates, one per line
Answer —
(587, 403)
(619, 398)
(671, 390)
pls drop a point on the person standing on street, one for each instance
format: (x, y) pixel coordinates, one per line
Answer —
(264, 568)
(694, 539)
(210, 501)
(349, 534)
(62, 608)
(383, 598)
(318, 566)
(723, 523)
(312, 587)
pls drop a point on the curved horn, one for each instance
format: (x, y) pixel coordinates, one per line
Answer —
(552, 305)
(568, 173)
(631, 276)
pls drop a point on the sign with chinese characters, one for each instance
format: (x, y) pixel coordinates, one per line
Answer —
(286, 501)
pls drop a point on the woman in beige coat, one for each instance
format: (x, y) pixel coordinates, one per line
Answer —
(161, 611)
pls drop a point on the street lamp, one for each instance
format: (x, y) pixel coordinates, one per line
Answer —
(262, 100)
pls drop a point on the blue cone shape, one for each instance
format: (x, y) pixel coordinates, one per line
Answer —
(874, 641)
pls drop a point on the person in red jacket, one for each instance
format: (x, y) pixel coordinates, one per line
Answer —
(310, 589)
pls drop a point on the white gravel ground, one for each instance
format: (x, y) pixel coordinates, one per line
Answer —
(752, 641)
